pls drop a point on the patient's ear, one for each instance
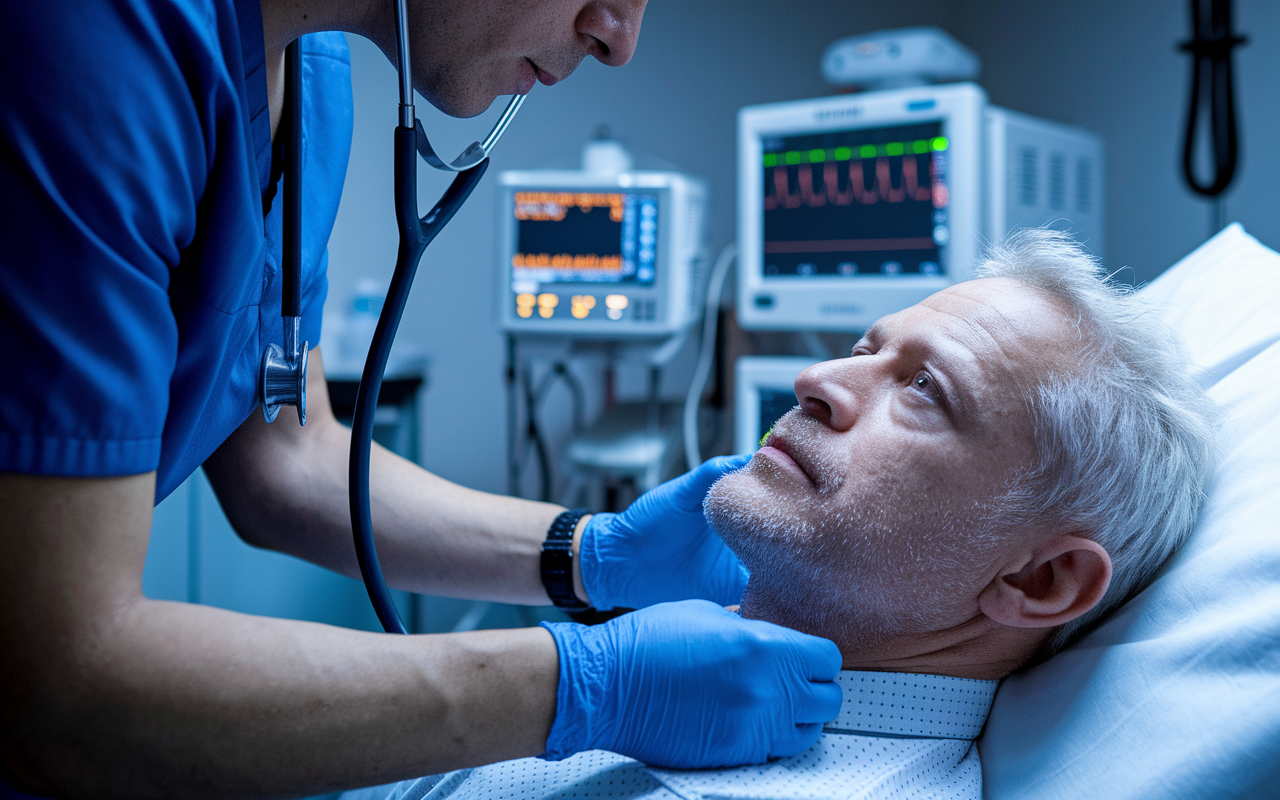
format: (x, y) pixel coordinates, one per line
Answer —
(1056, 582)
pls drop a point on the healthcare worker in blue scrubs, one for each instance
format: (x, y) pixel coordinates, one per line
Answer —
(140, 244)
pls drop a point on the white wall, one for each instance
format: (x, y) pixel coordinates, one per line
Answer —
(697, 63)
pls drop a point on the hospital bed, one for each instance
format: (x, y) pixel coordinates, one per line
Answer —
(1178, 694)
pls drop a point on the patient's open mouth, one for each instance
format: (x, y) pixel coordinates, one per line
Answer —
(779, 452)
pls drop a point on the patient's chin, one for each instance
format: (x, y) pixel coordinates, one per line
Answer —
(749, 521)
(824, 570)
(742, 506)
(790, 584)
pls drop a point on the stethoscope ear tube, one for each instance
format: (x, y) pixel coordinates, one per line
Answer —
(282, 372)
(415, 235)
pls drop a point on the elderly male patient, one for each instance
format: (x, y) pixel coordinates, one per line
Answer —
(984, 478)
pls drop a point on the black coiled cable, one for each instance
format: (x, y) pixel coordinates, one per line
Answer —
(1212, 92)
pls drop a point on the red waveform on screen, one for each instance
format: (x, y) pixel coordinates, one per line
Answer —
(780, 193)
(831, 180)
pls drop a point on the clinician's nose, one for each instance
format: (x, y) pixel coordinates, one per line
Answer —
(613, 26)
(828, 392)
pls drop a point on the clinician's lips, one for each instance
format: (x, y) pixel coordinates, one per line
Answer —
(777, 451)
(546, 78)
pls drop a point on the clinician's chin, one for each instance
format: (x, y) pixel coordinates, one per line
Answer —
(463, 109)
(462, 102)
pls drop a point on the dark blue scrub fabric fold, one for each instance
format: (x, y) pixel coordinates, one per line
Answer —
(139, 281)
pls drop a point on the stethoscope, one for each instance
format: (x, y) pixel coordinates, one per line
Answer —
(283, 374)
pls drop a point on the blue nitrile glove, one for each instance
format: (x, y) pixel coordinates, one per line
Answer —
(690, 684)
(661, 549)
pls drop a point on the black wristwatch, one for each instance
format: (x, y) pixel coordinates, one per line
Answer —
(557, 560)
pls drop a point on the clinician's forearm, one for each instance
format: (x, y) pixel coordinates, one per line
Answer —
(172, 700)
(285, 487)
(103, 692)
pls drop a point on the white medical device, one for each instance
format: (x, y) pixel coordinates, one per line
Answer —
(598, 254)
(763, 392)
(903, 57)
(857, 206)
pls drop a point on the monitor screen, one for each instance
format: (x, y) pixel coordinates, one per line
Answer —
(773, 404)
(584, 237)
(864, 201)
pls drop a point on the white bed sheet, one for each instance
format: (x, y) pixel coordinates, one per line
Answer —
(1178, 694)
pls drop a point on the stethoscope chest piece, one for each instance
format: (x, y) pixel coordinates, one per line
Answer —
(283, 375)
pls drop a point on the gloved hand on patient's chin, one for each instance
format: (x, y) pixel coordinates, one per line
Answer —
(661, 549)
(689, 685)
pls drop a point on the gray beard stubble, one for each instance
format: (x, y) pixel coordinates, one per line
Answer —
(858, 574)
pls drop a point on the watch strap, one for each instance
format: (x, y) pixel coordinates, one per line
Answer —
(557, 560)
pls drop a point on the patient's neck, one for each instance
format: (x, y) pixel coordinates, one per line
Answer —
(972, 648)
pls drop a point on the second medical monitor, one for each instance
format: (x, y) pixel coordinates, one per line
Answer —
(583, 255)
(854, 207)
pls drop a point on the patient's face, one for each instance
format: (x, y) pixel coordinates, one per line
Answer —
(869, 498)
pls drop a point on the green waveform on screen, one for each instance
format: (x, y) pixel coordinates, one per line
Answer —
(820, 155)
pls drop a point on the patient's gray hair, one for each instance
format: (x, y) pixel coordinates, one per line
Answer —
(1124, 443)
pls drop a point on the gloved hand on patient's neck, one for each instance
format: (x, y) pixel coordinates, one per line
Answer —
(691, 685)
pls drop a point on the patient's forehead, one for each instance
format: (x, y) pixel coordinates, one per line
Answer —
(997, 338)
(1027, 329)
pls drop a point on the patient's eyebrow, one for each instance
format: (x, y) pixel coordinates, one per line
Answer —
(873, 334)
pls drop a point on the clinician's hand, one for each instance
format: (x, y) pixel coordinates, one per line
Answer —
(690, 684)
(661, 548)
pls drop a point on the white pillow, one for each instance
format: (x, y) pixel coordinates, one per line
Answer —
(1178, 694)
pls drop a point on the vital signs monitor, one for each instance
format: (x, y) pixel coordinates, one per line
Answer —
(857, 206)
(600, 256)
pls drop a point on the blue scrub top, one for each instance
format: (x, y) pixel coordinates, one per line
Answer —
(140, 282)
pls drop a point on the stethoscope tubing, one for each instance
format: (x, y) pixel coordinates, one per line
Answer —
(415, 235)
(291, 236)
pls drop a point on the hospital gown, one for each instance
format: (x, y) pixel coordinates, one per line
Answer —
(898, 735)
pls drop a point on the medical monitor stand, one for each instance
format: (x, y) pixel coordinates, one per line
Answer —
(630, 441)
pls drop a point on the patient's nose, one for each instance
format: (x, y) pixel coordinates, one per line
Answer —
(826, 395)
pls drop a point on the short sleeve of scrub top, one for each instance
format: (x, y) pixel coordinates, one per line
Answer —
(139, 280)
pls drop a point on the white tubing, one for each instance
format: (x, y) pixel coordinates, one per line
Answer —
(706, 353)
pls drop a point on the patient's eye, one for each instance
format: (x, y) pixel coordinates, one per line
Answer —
(925, 384)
